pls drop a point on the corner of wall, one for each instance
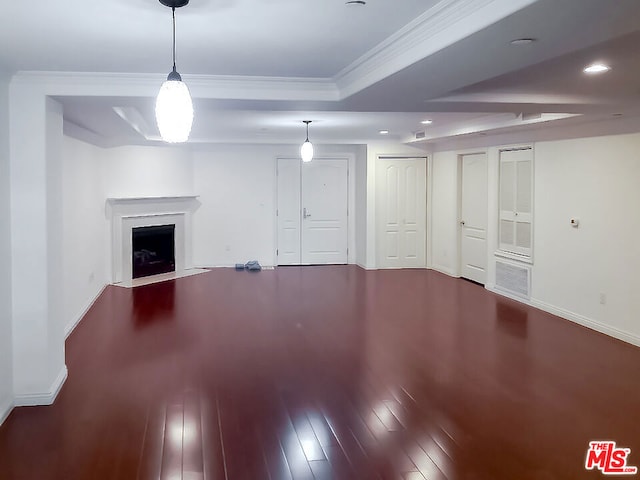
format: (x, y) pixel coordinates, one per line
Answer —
(6, 336)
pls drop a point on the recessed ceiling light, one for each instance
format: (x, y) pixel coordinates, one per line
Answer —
(597, 68)
(384, 132)
(355, 2)
(522, 41)
(426, 122)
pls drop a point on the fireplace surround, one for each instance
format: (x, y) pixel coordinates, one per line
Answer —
(127, 214)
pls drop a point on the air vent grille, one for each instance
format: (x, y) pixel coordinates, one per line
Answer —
(513, 278)
(421, 135)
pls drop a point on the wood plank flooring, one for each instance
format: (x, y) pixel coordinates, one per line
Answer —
(326, 373)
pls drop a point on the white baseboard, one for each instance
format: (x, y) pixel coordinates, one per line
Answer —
(45, 398)
(588, 322)
(445, 270)
(364, 267)
(573, 317)
(5, 410)
(74, 323)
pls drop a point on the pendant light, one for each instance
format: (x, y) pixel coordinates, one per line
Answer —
(174, 108)
(306, 152)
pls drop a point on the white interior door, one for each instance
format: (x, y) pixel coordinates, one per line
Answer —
(325, 204)
(401, 203)
(473, 221)
(312, 211)
(288, 211)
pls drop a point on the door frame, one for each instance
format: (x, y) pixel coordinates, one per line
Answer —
(460, 154)
(351, 201)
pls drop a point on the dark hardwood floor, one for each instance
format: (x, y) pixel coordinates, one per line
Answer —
(326, 373)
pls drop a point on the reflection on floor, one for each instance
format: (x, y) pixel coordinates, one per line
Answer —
(326, 373)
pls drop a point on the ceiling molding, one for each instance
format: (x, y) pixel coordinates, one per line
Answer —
(262, 88)
(201, 86)
(446, 23)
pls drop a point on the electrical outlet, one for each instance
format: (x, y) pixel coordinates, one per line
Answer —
(603, 299)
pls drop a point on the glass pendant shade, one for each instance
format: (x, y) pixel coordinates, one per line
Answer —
(174, 108)
(174, 111)
(306, 152)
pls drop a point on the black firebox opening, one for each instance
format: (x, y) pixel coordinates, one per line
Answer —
(153, 250)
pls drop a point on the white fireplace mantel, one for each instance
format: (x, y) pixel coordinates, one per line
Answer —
(129, 213)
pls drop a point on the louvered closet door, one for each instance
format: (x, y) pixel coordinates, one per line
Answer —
(516, 212)
(401, 212)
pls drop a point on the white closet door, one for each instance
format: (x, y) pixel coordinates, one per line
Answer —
(401, 212)
(289, 252)
(324, 211)
(474, 218)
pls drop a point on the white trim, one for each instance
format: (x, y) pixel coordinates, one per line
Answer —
(68, 330)
(445, 270)
(587, 322)
(442, 25)
(364, 267)
(514, 256)
(429, 226)
(46, 398)
(5, 410)
(200, 86)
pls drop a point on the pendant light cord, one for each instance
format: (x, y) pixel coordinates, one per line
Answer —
(174, 37)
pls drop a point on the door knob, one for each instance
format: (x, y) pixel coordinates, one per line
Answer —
(305, 214)
(462, 223)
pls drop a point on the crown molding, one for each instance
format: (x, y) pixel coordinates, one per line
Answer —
(444, 24)
(201, 86)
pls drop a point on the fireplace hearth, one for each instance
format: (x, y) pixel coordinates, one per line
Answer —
(153, 250)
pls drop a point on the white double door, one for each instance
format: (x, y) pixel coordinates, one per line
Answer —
(473, 218)
(312, 211)
(401, 205)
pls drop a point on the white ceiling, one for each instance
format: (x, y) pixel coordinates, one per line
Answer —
(257, 69)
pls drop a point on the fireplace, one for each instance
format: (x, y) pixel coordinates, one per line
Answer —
(153, 250)
(129, 214)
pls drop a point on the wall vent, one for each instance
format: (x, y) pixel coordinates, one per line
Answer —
(420, 135)
(513, 278)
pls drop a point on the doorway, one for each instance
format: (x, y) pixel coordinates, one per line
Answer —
(473, 217)
(312, 212)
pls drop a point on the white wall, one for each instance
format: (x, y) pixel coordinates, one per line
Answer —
(141, 171)
(86, 233)
(594, 179)
(36, 237)
(6, 361)
(237, 187)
